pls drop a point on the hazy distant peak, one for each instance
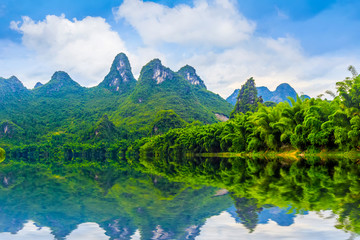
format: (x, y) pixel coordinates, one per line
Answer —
(38, 84)
(280, 94)
(12, 88)
(12, 83)
(284, 86)
(14, 79)
(61, 76)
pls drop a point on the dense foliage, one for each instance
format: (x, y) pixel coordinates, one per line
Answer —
(305, 124)
(247, 99)
(166, 120)
(2, 154)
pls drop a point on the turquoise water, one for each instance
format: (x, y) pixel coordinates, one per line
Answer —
(116, 200)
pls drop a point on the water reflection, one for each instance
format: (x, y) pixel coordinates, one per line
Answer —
(311, 184)
(180, 198)
(305, 227)
(114, 196)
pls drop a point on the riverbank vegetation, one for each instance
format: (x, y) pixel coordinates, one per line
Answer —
(310, 125)
(306, 124)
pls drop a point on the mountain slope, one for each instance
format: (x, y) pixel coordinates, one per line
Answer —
(12, 89)
(211, 101)
(120, 78)
(159, 88)
(189, 73)
(59, 85)
(61, 110)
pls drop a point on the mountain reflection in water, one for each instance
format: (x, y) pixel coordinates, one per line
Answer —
(179, 198)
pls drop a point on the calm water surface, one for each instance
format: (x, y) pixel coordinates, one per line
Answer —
(202, 198)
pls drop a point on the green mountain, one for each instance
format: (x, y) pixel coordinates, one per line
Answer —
(38, 84)
(280, 94)
(120, 78)
(12, 89)
(104, 131)
(189, 73)
(62, 111)
(166, 120)
(159, 88)
(59, 85)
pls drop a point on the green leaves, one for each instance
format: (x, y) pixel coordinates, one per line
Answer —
(166, 120)
(349, 90)
(314, 124)
(247, 99)
(2, 154)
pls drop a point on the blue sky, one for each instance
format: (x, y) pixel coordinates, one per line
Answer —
(307, 43)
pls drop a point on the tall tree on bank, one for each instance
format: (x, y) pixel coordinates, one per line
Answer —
(247, 99)
(349, 89)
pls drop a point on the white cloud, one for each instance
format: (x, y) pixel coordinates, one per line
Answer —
(16, 59)
(89, 231)
(215, 38)
(141, 56)
(309, 226)
(215, 23)
(84, 48)
(29, 232)
(271, 62)
(212, 36)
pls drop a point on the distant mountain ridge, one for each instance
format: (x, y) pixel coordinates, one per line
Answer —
(63, 109)
(281, 94)
(12, 89)
(60, 83)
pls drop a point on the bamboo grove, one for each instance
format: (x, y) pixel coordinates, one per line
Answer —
(305, 124)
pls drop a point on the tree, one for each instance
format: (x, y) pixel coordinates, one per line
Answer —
(166, 120)
(349, 90)
(247, 99)
(2, 154)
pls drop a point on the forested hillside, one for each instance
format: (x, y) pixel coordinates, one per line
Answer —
(61, 110)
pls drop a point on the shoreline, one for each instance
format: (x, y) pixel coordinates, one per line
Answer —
(294, 154)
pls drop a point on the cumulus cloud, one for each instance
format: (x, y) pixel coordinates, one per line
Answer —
(215, 23)
(16, 59)
(310, 226)
(271, 62)
(223, 46)
(211, 35)
(84, 48)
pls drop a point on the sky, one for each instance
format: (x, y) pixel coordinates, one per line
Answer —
(306, 43)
